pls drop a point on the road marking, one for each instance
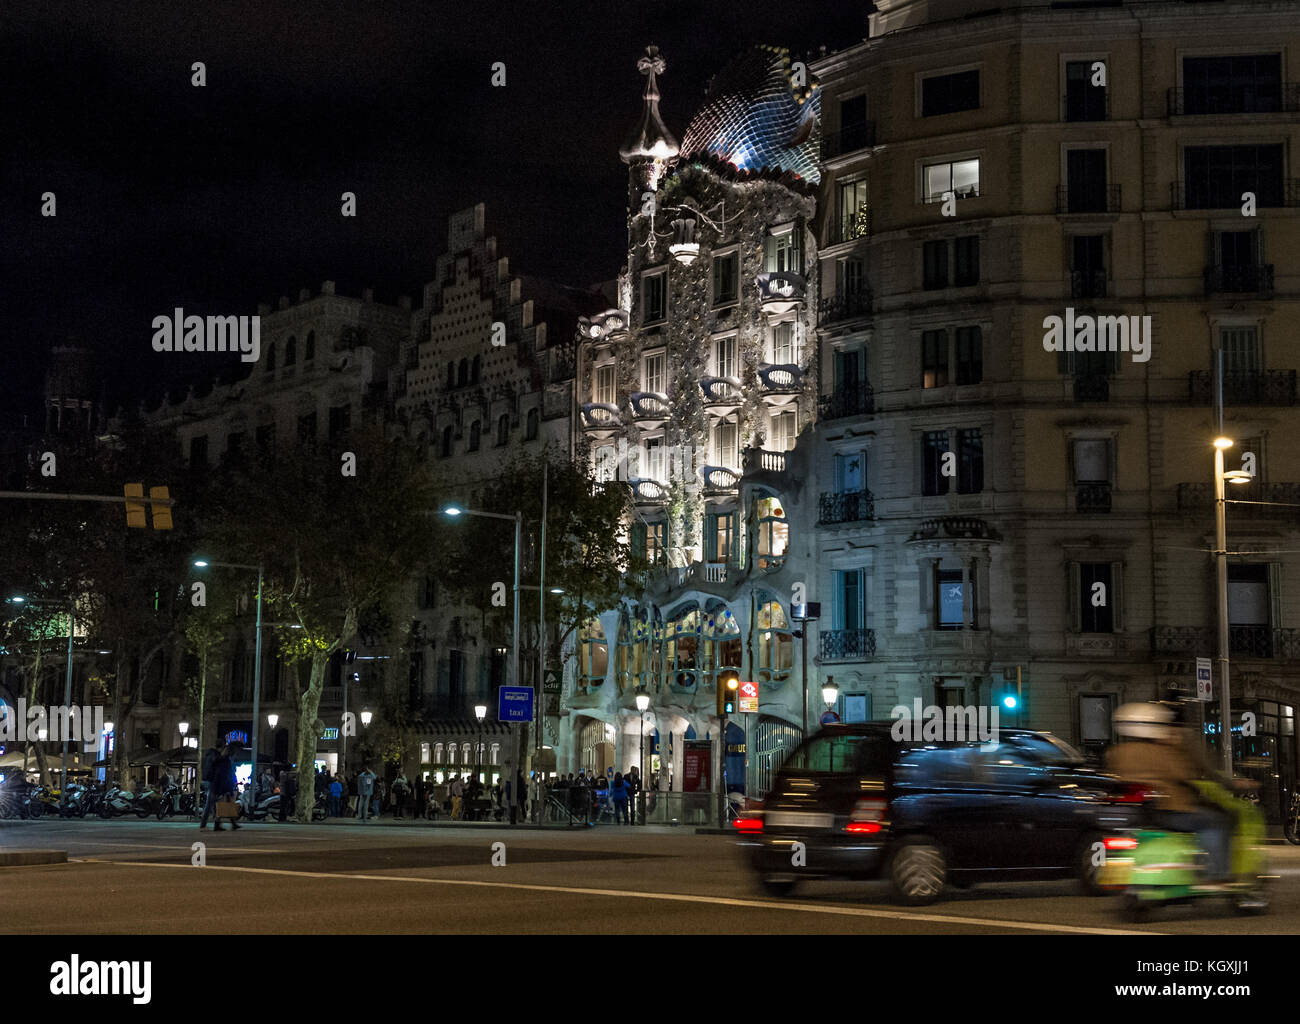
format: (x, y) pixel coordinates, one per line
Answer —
(721, 901)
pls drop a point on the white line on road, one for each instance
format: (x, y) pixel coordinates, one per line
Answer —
(723, 901)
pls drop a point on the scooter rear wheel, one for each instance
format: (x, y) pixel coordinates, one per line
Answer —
(1135, 909)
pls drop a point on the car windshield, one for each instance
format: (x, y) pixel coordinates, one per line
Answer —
(1049, 749)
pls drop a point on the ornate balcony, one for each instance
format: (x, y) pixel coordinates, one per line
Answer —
(648, 492)
(1092, 498)
(779, 378)
(1198, 498)
(762, 460)
(601, 419)
(846, 507)
(649, 408)
(719, 479)
(844, 306)
(847, 644)
(1258, 642)
(715, 572)
(855, 399)
(1260, 387)
(1251, 279)
(780, 291)
(721, 393)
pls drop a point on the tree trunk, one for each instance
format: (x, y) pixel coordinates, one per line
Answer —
(308, 708)
(38, 747)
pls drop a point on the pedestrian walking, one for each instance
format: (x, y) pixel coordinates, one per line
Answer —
(619, 792)
(632, 780)
(365, 792)
(400, 786)
(223, 785)
(210, 757)
(457, 791)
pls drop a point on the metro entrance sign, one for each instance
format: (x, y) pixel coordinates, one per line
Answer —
(1203, 685)
(749, 697)
(515, 704)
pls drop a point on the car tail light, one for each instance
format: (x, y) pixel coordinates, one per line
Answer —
(748, 824)
(1121, 843)
(1133, 794)
(867, 816)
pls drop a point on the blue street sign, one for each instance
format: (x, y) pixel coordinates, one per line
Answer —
(515, 704)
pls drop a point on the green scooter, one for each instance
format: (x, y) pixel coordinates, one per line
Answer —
(1155, 868)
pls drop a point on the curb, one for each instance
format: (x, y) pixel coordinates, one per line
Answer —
(24, 858)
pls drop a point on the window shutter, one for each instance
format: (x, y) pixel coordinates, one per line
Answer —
(1117, 596)
(1274, 593)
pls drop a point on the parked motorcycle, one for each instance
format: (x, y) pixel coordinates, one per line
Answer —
(1291, 823)
(254, 809)
(1156, 867)
(146, 802)
(174, 800)
(73, 804)
(116, 802)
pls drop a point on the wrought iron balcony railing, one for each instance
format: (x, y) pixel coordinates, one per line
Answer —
(849, 140)
(1092, 387)
(1260, 387)
(844, 306)
(847, 644)
(1092, 497)
(1088, 198)
(846, 507)
(1252, 278)
(1088, 284)
(1222, 194)
(1255, 98)
(848, 400)
(1243, 641)
(1276, 500)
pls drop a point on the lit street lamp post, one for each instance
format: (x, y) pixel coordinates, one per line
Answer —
(1235, 476)
(257, 655)
(642, 704)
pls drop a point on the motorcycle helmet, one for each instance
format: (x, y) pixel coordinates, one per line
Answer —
(1147, 721)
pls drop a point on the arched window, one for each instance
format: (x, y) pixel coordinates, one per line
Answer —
(474, 434)
(451, 375)
(437, 753)
(775, 640)
(530, 428)
(451, 753)
(466, 752)
(310, 354)
(290, 351)
(462, 373)
(593, 655)
(503, 430)
(773, 533)
(683, 659)
(474, 371)
(270, 357)
(447, 434)
(496, 753)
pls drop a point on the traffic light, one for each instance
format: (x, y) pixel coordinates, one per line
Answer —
(728, 692)
(162, 514)
(1011, 701)
(134, 509)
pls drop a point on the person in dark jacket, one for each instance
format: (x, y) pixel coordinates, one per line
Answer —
(223, 785)
(210, 757)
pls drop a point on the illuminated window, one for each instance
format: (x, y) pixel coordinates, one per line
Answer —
(784, 350)
(784, 430)
(781, 253)
(724, 357)
(656, 379)
(960, 177)
(724, 446)
(605, 384)
(593, 654)
(773, 533)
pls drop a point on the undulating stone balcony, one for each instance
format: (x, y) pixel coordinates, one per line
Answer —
(780, 291)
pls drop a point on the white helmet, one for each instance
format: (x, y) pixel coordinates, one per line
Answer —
(1143, 720)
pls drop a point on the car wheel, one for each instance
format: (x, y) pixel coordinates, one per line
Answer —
(1086, 869)
(779, 886)
(918, 871)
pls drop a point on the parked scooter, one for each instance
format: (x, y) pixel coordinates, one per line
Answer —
(1156, 867)
(174, 800)
(258, 810)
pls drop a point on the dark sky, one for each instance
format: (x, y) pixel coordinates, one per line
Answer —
(217, 198)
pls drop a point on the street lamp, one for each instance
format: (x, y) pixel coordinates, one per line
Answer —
(366, 716)
(518, 519)
(1235, 476)
(830, 692)
(271, 720)
(805, 613)
(67, 680)
(642, 705)
(200, 563)
(480, 712)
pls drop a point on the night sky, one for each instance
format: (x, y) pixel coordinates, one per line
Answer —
(217, 198)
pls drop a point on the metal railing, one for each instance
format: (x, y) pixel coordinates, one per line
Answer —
(847, 400)
(1243, 641)
(1092, 497)
(1092, 387)
(1222, 194)
(1199, 498)
(845, 507)
(1260, 387)
(1261, 98)
(1088, 198)
(844, 305)
(1088, 284)
(849, 140)
(1252, 278)
(847, 644)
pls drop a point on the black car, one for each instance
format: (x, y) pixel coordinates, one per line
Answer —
(926, 814)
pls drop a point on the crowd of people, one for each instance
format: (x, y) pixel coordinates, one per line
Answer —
(592, 796)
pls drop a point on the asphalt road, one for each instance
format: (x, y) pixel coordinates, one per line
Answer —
(138, 877)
